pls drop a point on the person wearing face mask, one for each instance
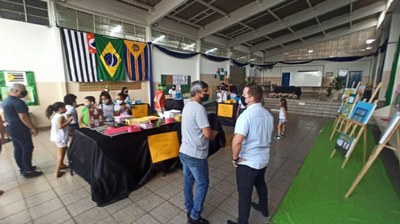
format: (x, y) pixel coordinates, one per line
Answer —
(172, 92)
(21, 129)
(90, 104)
(124, 90)
(196, 133)
(120, 100)
(242, 106)
(107, 106)
(250, 154)
(159, 100)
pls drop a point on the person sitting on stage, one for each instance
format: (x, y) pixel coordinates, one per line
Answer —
(90, 104)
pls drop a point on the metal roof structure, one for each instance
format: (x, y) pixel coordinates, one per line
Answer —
(293, 28)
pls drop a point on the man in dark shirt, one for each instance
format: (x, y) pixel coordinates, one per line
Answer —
(21, 129)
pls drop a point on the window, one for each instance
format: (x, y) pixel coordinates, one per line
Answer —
(31, 11)
(87, 22)
(173, 42)
(212, 49)
(255, 59)
(238, 55)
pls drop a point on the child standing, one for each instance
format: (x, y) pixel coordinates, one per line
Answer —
(283, 118)
(59, 132)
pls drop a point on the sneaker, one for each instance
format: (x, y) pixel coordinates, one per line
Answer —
(198, 221)
(231, 222)
(260, 208)
(282, 135)
(33, 169)
(278, 137)
(31, 174)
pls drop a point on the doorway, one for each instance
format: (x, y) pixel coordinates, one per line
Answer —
(354, 78)
(285, 78)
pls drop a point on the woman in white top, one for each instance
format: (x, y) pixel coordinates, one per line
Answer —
(59, 133)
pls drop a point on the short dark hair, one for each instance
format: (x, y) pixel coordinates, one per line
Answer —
(69, 99)
(122, 95)
(91, 99)
(256, 92)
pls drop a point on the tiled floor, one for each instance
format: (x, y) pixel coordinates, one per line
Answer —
(47, 199)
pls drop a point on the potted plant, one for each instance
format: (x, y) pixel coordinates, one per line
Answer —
(336, 84)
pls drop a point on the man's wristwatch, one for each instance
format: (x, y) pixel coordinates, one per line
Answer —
(235, 160)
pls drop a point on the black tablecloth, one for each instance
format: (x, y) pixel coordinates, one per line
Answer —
(174, 104)
(115, 166)
(228, 121)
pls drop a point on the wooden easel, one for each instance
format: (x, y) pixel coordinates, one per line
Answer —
(354, 129)
(374, 154)
(341, 120)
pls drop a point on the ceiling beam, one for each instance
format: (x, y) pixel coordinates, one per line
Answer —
(162, 9)
(329, 36)
(291, 20)
(213, 8)
(181, 29)
(237, 16)
(360, 13)
(139, 4)
(247, 26)
(184, 21)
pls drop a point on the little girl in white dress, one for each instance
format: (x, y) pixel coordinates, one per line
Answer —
(59, 132)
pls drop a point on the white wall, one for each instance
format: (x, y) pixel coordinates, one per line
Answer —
(164, 64)
(30, 47)
(210, 67)
(363, 65)
(26, 46)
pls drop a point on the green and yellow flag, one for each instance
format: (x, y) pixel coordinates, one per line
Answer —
(110, 66)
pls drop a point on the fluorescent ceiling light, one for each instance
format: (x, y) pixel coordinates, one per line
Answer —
(211, 50)
(368, 48)
(369, 41)
(310, 51)
(191, 46)
(159, 38)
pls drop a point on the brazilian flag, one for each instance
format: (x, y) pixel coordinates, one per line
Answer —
(110, 66)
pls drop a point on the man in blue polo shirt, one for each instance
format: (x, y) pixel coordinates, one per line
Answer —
(250, 153)
(21, 129)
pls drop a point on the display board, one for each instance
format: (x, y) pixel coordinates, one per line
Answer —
(26, 78)
(306, 78)
(182, 82)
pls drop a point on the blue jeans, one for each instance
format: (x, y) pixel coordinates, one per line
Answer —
(23, 148)
(194, 170)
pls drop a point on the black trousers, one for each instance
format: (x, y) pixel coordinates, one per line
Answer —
(246, 178)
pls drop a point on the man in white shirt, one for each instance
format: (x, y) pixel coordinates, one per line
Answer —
(250, 153)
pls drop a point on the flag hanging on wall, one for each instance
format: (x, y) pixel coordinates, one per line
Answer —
(137, 63)
(82, 65)
(110, 66)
